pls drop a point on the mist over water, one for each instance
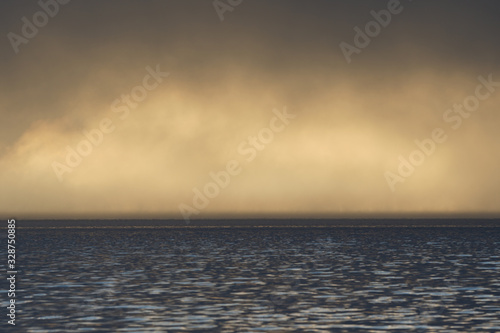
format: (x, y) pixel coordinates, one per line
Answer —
(259, 279)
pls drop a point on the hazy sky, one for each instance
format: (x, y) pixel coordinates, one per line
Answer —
(351, 121)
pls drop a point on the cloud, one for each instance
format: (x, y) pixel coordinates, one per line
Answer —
(353, 121)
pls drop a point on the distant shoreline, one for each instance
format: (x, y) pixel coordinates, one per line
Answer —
(302, 222)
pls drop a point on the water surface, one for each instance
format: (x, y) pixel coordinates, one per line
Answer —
(259, 279)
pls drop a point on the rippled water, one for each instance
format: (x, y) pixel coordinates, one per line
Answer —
(259, 279)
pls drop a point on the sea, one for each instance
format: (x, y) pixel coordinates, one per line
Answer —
(256, 279)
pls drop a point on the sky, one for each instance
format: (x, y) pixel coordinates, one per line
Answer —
(201, 109)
